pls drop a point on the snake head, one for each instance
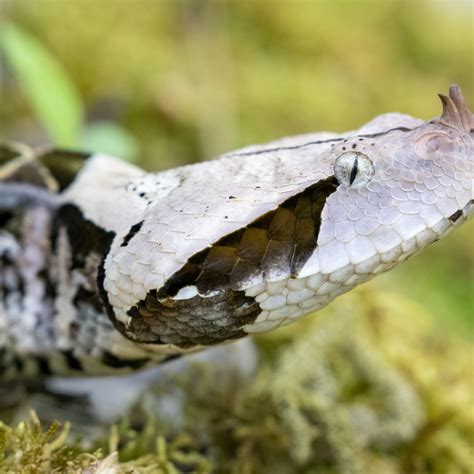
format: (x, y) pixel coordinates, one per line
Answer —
(400, 189)
(264, 235)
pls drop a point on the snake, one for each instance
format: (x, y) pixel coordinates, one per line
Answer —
(107, 268)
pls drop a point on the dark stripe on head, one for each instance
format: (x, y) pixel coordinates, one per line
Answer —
(317, 142)
(280, 241)
(131, 233)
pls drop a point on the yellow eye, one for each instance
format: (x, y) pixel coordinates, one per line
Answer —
(353, 169)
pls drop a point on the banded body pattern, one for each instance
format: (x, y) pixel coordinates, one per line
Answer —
(52, 320)
(108, 268)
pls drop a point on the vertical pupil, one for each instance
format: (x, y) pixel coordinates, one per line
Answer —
(354, 170)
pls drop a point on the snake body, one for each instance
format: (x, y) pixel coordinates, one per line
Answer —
(106, 268)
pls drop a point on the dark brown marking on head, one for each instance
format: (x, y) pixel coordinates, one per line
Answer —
(280, 241)
(131, 233)
(265, 149)
(195, 321)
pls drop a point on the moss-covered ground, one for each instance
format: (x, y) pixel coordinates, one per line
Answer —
(369, 385)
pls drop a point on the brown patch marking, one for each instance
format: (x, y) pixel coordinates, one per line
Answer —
(281, 241)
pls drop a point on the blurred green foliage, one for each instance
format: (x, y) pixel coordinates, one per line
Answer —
(55, 99)
(45, 83)
(193, 78)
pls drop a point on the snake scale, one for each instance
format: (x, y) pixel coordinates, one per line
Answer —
(106, 268)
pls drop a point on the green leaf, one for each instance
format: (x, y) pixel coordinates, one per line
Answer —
(110, 138)
(50, 91)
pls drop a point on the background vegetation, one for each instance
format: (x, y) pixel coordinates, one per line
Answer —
(164, 83)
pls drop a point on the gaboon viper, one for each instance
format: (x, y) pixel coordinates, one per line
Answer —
(106, 268)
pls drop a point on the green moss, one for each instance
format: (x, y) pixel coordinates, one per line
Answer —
(28, 448)
(368, 386)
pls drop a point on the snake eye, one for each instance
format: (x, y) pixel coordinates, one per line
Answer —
(353, 169)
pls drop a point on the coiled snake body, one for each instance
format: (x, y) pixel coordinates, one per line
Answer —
(106, 268)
